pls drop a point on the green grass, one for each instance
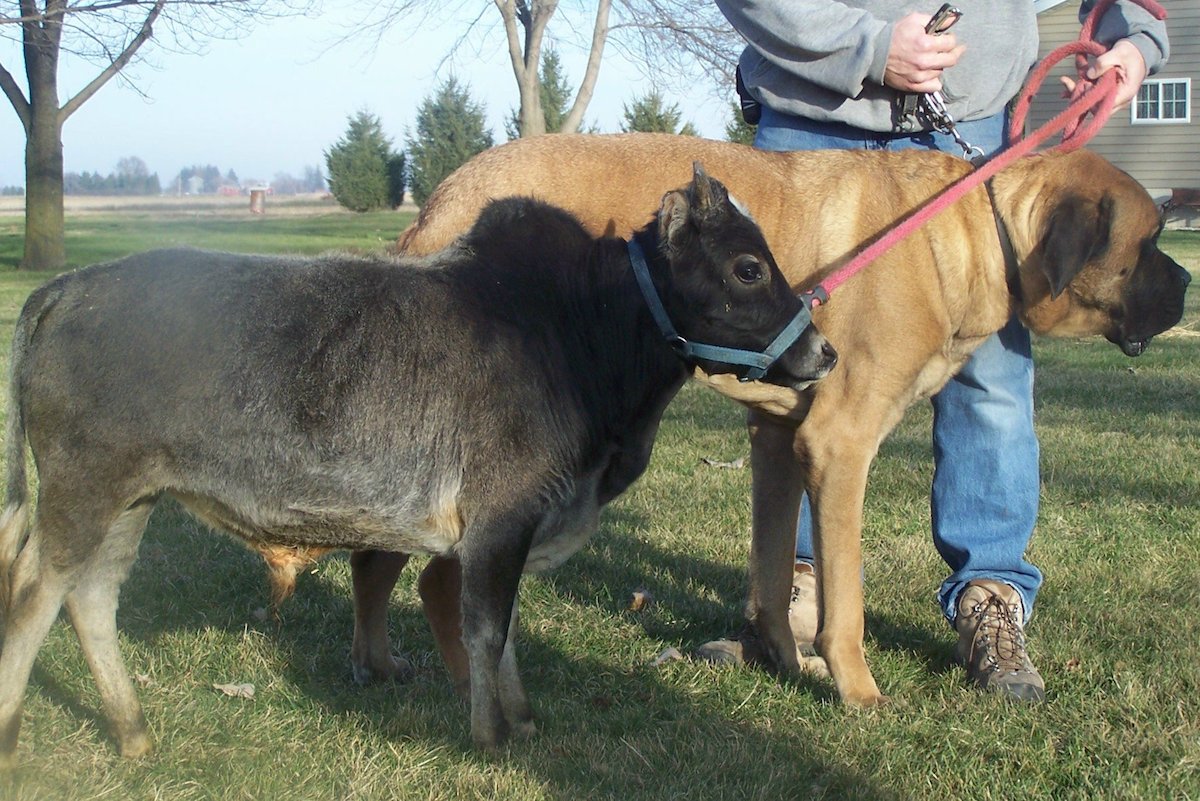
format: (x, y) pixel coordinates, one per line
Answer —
(99, 236)
(1115, 634)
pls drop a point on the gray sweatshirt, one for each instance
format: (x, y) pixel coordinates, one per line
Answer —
(825, 60)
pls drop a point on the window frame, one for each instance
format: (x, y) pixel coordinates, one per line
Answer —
(1186, 83)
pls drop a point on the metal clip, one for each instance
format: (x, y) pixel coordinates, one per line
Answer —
(934, 106)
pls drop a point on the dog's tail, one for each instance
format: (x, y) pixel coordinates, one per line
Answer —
(14, 521)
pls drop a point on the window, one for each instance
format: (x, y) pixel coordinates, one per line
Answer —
(1163, 101)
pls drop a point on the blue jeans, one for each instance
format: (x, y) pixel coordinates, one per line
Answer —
(985, 483)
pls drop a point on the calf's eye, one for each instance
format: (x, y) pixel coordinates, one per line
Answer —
(748, 270)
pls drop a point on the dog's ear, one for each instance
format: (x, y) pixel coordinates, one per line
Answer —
(1077, 232)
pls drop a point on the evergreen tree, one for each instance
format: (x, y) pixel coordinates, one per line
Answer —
(451, 128)
(650, 114)
(737, 129)
(556, 97)
(359, 175)
(395, 175)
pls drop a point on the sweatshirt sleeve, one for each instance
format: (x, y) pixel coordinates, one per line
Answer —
(826, 43)
(1128, 20)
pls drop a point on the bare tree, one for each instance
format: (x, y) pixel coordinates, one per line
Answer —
(108, 33)
(671, 39)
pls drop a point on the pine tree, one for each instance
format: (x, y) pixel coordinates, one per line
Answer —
(451, 128)
(737, 129)
(362, 176)
(556, 97)
(650, 114)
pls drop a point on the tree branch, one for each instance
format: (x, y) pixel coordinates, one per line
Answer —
(72, 105)
(15, 96)
(591, 73)
(508, 13)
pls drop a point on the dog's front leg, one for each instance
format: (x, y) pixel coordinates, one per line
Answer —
(837, 479)
(440, 587)
(374, 575)
(778, 478)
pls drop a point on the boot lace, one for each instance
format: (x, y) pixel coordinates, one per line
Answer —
(999, 636)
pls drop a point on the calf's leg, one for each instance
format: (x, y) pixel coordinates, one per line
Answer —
(37, 596)
(513, 699)
(92, 606)
(441, 596)
(58, 550)
(492, 563)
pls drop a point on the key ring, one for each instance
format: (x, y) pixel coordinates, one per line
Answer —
(934, 105)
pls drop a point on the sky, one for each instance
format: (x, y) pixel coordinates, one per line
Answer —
(273, 100)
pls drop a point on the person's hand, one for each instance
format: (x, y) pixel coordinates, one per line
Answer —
(916, 59)
(1130, 66)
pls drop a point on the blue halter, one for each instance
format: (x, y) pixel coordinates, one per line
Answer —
(758, 362)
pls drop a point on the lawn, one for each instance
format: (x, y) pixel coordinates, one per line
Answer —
(1115, 633)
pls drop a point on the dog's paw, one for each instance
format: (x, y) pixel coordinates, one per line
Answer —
(394, 668)
(866, 700)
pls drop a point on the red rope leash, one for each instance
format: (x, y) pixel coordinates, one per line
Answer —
(1093, 98)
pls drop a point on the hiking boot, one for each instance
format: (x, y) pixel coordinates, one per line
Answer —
(991, 641)
(743, 649)
(803, 610)
(746, 649)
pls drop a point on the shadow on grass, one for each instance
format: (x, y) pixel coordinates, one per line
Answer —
(607, 730)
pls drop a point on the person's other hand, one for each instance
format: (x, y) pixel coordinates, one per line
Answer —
(916, 59)
(1130, 66)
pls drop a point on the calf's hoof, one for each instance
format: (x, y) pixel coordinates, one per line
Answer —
(136, 745)
(489, 738)
(524, 729)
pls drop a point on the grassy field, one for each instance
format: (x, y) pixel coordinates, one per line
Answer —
(1115, 635)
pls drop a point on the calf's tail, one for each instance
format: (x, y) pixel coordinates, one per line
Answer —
(14, 521)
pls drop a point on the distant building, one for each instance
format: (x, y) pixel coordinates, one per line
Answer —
(1156, 139)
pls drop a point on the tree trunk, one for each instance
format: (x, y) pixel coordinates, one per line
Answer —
(43, 118)
(45, 237)
(531, 16)
(574, 117)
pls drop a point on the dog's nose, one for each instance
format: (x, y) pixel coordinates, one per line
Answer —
(1187, 277)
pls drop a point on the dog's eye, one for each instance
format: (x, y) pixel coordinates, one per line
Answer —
(748, 270)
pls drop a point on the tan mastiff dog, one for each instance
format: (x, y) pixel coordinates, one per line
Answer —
(1083, 261)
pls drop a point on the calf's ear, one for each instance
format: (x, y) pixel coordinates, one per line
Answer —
(673, 218)
(1077, 232)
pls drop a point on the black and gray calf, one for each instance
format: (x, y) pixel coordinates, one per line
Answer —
(482, 405)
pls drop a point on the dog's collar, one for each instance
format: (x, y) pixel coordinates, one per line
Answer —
(758, 361)
(1012, 273)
